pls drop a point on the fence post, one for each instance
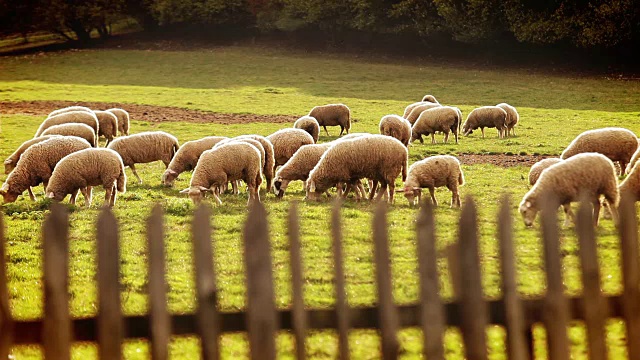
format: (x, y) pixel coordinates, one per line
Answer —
(262, 321)
(431, 307)
(57, 325)
(110, 324)
(299, 314)
(6, 322)
(342, 308)
(160, 321)
(628, 230)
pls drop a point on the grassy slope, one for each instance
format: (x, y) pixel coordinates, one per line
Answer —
(252, 80)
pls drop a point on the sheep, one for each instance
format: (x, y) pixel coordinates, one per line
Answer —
(82, 170)
(310, 125)
(286, 142)
(397, 127)
(299, 166)
(591, 174)
(634, 159)
(69, 109)
(332, 115)
(486, 116)
(444, 118)
(73, 129)
(37, 163)
(377, 157)
(231, 162)
(123, 120)
(412, 117)
(618, 144)
(433, 172)
(537, 168)
(430, 98)
(187, 157)
(108, 125)
(410, 107)
(253, 142)
(12, 160)
(269, 164)
(512, 117)
(145, 147)
(631, 184)
(88, 118)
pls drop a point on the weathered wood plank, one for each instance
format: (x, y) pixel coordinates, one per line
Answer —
(6, 322)
(159, 319)
(56, 330)
(628, 232)
(298, 311)
(343, 321)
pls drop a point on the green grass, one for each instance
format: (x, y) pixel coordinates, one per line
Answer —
(254, 80)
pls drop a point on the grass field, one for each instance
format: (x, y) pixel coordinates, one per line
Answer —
(254, 80)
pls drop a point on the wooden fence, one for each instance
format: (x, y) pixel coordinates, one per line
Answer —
(471, 311)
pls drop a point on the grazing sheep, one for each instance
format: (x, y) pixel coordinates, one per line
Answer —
(631, 184)
(512, 117)
(187, 157)
(310, 125)
(397, 127)
(444, 118)
(377, 157)
(82, 170)
(299, 166)
(537, 168)
(332, 115)
(430, 98)
(73, 129)
(228, 163)
(618, 144)
(69, 109)
(37, 163)
(433, 172)
(257, 144)
(410, 107)
(145, 147)
(270, 162)
(416, 111)
(486, 116)
(123, 120)
(591, 174)
(286, 142)
(83, 117)
(12, 160)
(108, 125)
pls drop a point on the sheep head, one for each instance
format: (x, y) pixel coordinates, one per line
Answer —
(196, 193)
(168, 177)
(528, 210)
(7, 195)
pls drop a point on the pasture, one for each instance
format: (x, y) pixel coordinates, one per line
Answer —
(254, 81)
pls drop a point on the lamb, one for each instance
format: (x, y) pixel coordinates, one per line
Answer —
(618, 144)
(537, 168)
(123, 120)
(412, 106)
(74, 129)
(591, 174)
(83, 117)
(299, 166)
(486, 116)
(430, 98)
(231, 162)
(69, 109)
(433, 172)
(397, 127)
(12, 160)
(108, 125)
(286, 142)
(37, 163)
(444, 118)
(377, 157)
(512, 117)
(269, 161)
(332, 115)
(187, 157)
(416, 111)
(82, 170)
(310, 125)
(145, 147)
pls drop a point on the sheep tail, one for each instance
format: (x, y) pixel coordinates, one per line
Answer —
(460, 178)
(404, 169)
(174, 149)
(121, 182)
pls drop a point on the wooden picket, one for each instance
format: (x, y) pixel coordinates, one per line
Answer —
(470, 310)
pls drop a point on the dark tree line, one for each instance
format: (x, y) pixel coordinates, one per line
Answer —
(581, 23)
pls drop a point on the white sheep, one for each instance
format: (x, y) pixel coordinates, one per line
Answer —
(512, 117)
(332, 115)
(631, 184)
(269, 162)
(73, 129)
(618, 144)
(486, 116)
(123, 120)
(537, 168)
(231, 162)
(591, 174)
(415, 113)
(397, 127)
(187, 157)
(108, 125)
(82, 170)
(145, 147)
(430, 98)
(83, 117)
(37, 163)
(432, 172)
(634, 159)
(11, 162)
(286, 142)
(299, 166)
(410, 107)
(69, 109)
(254, 142)
(443, 119)
(310, 125)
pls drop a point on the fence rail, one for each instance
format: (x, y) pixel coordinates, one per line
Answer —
(470, 310)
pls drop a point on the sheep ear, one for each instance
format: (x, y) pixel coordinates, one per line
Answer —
(185, 191)
(3, 192)
(7, 161)
(172, 172)
(50, 195)
(312, 186)
(417, 188)
(204, 189)
(527, 204)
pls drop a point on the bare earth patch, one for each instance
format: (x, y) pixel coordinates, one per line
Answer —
(501, 160)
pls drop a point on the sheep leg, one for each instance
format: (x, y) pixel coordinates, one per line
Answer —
(363, 193)
(325, 129)
(87, 192)
(446, 137)
(392, 190)
(433, 138)
(455, 134)
(31, 196)
(74, 195)
(133, 170)
(372, 190)
(341, 130)
(568, 215)
(108, 194)
(419, 193)
(596, 212)
(623, 167)
(383, 190)
(420, 138)
(114, 195)
(482, 130)
(432, 192)
(234, 185)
